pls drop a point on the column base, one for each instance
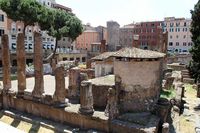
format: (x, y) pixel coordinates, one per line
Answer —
(86, 111)
(20, 95)
(64, 104)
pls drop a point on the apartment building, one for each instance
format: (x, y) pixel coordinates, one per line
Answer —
(144, 35)
(179, 35)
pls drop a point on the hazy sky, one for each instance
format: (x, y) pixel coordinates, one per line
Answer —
(97, 12)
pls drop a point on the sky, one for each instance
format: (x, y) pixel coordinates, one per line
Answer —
(98, 12)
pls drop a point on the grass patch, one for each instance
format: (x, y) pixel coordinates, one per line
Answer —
(169, 94)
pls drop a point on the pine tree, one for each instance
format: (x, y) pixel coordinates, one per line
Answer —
(194, 66)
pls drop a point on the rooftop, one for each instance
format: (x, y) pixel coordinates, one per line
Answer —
(138, 53)
(103, 56)
(108, 80)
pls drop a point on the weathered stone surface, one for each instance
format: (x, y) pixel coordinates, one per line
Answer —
(21, 64)
(74, 77)
(69, 115)
(53, 65)
(162, 109)
(188, 81)
(169, 83)
(165, 128)
(6, 63)
(86, 98)
(135, 123)
(60, 92)
(38, 66)
(112, 110)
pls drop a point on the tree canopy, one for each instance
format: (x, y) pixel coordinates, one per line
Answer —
(195, 51)
(60, 24)
(56, 22)
(27, 11)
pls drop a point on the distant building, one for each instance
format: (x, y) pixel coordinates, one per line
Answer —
(144, 35)
(12, 28)
(179, 35)
(113, 35)
(84, 41)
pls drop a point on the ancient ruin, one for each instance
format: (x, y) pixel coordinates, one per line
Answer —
(123, 96)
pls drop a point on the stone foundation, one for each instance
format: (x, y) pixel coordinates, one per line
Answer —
(64, 115)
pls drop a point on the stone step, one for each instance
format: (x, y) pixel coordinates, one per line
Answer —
(48, 124)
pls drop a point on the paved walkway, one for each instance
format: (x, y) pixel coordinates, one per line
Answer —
(49, 84)
(8, 129)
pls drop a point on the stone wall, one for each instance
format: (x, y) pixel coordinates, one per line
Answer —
(57, 114)
(141, 84)
(103, 68)
(100, 95)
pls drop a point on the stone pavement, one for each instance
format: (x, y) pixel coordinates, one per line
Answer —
(49, 84)
(9, 129)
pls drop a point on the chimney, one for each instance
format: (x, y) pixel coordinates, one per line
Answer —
(103, 46)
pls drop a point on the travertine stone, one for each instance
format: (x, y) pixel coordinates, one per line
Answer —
(21, 64)
(86, 98)
(112, 108)
(6, 63)
(165, 128)
(38, 66)
(60, 92)
(53, 65)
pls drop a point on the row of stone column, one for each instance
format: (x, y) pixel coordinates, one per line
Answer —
(38, 91)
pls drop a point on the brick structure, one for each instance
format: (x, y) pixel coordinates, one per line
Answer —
(38, 66)
(21, 64)
(150, 35)
(6, 63)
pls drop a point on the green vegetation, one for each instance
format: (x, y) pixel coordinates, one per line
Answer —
(194, 66)
(169, 94)
(56, 22)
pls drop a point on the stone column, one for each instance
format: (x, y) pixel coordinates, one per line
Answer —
(21, 64)
(53, 65)
(6, 63)
(38, 66)
(111, 108)
(60, 92)
(86, 98)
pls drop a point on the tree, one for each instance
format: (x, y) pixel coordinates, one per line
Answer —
(194, 66)
(26, 11)
(61, 24)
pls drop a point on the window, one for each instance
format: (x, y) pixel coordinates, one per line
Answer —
(177, 36)
(1, 32)
(184, 36)
(171, 37)
(48, 39)
(190, 44)
(19, 29)
(2, 17)
(185, 24)
(30, 38)
(63, 39)
(13, 37)
(177, 43)
(170, 43)
(184, 44)
(185, 29)
(25, 38)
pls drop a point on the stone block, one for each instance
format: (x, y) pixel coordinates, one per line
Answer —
(188, 81)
